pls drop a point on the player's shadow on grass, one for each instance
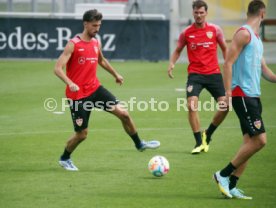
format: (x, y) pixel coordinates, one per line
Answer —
(154, 178)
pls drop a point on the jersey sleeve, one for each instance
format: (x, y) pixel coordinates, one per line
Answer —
(182, 40)
(219, 34)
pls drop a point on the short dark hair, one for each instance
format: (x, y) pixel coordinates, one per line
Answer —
(199, 3)
(255, 7)
(92, 15)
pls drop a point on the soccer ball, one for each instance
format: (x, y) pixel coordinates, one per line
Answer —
(158, 166)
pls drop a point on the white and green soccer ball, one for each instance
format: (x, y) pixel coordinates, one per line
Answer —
(159, 166)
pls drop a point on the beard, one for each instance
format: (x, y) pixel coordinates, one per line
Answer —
(92, 34)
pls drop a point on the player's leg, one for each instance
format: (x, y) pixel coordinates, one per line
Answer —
(110, 104)
(248, 111)
(249, 148)
(80, 118)
(75, 140)
(193, 116)
(216, 89)
(193, 89)
(130, 129)
(194, 121)
(126, 120)
(234, 177)
(233, 180)
(220, 114)
(237, 166)
(217, 120)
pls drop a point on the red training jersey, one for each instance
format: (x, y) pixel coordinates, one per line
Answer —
(202, 48)
(82, 68)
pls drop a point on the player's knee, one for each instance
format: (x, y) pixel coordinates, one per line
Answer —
(261, 141)
(82, 135)
(192, 104)
(124, 116)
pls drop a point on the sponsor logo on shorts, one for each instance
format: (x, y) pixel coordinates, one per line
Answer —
(79, 121)
(258, 124)
(190, 88)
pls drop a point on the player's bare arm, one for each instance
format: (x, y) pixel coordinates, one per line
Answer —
(222, 43)
(107, 66)
(240, 39)
(61, 63)
(175, 56)
(267, 73)
(223, 47)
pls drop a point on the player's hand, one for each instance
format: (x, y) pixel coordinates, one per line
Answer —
(170, 69)
(228, 99)
(119, 79)
(223, 104)
(73, 87)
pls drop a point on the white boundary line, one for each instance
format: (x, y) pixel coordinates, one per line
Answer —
(118, 129)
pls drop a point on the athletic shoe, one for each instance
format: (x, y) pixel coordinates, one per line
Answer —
(68, 165)
(148, 145)
(204, 141)
(238, 194)
(197, 149)
(223, 184)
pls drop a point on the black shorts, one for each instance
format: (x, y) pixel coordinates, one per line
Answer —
(81, 109)
(213, 83)
(249, 112)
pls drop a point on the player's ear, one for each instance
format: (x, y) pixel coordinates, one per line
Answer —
(263, 14)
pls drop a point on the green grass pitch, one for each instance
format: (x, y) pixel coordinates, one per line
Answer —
(112, 173)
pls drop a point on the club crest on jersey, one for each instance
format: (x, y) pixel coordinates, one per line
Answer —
(79, 121)
(96, 49)
(209, 34)
(258, 124)
(81, 60)
(190, 88)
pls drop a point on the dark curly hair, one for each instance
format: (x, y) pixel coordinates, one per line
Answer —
(199, 3)
(92, 15)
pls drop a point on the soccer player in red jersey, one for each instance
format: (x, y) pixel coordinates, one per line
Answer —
(80, 57)
(201, 39)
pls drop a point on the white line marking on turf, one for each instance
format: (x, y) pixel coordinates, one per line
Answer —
(180, 89)
(58, 112)
(118, 129)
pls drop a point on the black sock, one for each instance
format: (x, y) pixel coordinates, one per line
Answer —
(65, 155)
(135, 138)
(210, 131)
(197, 136)
(233, 181)
(227, 170)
